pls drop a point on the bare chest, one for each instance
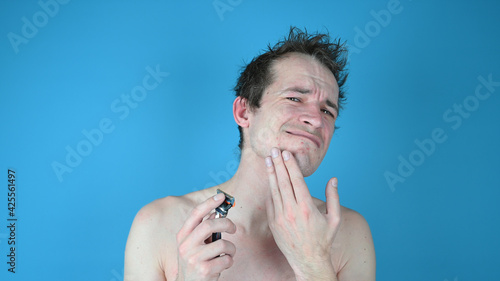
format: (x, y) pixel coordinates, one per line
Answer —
(252, 261)
(257, 262)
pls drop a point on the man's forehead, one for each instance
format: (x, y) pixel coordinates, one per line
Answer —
(304, 72)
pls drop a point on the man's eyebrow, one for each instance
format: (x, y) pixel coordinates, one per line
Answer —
(307, 91)
(332, 105)
(299, 90)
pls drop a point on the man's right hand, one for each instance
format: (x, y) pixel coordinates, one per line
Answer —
(199, 259)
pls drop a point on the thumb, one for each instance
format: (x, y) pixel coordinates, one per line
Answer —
(332, 200)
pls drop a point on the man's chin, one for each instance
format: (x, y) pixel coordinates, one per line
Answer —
(306, 166)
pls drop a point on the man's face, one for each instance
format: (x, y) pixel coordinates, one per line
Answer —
(297, 113)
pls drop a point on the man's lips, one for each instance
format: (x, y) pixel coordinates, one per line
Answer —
(316, 140)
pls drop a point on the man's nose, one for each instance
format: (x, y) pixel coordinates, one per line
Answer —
(311, 115)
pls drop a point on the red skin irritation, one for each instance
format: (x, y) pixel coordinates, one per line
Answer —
(307, 147)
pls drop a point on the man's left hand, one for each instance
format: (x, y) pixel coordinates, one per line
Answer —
(303, 234)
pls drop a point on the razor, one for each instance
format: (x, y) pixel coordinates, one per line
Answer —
(221, 211)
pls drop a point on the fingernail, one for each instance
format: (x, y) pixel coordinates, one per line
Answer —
(274, 152)
(286, 155)
(218, 196)
(269, 162)
(335, 182)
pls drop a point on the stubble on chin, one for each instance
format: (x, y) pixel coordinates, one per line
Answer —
(307, 167)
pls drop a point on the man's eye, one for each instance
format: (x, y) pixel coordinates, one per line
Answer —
(328, 112)
(294, 99)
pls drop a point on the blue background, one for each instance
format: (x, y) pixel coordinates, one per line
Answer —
(438, 223)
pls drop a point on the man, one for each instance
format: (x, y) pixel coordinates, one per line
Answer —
(288, 100)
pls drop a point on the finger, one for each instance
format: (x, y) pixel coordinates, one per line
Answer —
(333, 209)
(276, 203)
(212, 267)
(206, 228)
(220, 263)
(210, 217)
(284, 184)
(270, 209)
(199, 212)
(299, 185)
(216, 249)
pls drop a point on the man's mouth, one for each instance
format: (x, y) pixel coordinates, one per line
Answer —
(316, 140)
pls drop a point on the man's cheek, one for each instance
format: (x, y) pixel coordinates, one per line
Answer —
(265, 135)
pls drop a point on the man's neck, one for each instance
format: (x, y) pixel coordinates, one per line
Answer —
(250, 187)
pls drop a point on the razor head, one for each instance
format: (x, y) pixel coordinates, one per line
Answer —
(226, 205)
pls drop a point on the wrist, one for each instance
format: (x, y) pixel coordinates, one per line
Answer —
(316, 272)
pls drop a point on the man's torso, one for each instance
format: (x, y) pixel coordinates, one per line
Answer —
(256, 258)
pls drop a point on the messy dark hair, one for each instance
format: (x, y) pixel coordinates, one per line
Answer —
(256, 76)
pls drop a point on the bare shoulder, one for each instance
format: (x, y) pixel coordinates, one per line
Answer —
(353, 246)
(152, 236)
(352, 221)
(357, 247)
(354, 224)
(166, 208)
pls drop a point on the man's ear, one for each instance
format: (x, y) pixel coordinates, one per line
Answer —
(241, 111)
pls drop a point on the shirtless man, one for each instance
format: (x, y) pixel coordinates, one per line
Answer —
(287, 103)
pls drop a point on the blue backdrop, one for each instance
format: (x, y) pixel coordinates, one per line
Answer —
(108, 105)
